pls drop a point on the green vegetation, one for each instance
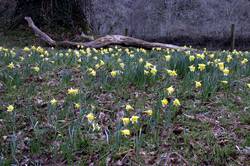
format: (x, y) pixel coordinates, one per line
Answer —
(124, 106)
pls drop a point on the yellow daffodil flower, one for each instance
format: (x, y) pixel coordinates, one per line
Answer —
(172, 73)
(164, 102)
(176, 103)
(90, 117)
(11, 65)
(77, 105)
(201, 67)
(168, 58)
(170, 90)
(125, 121)
(224, 82)
(10, 108)
(244, 61)
(125, 132)
(72, 91)
(191, 58)
(36, 69)
(113, 73)
(149, 112)
(134, 119)
(192, 68)
(53, 101)
(226, 71)
(129, 107)
(198, 84)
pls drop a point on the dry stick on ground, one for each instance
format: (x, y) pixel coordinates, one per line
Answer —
(102, 41)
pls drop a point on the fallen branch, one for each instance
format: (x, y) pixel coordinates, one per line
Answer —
(102, 41)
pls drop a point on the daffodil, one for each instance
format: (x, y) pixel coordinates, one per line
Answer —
(192, 68)
(11, 65)
(149, 112)
(148, 65)
(122, 65)
(191, 58)
(77, 105)
(72, 91)
(134, 119)
(170, 90)
(141, 60)
(221, 66)
(125, 121)
(248, 85)
(53, 102)
(10, 108)
(146, 72)
(125, 132)
(21, 58)
(164, 102)
(200, 56)
(129, 107)
(224, 82)
(172, 72)
(96, 126)
(36, 69)
(101, 63)
(201, 67)
(113, 73)
(198, 84)
(229, 58)
(153, 71)
(26, 49)
(226, 71)
(211, 56)
(167, 58)
(176, 103)
(92, 72)
(244, 61)
(90, 117)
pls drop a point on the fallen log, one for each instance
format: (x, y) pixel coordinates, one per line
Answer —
(105, 41)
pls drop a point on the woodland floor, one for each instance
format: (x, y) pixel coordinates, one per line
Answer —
(210, 127)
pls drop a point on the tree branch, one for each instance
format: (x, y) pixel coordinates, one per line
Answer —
(102, 41)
